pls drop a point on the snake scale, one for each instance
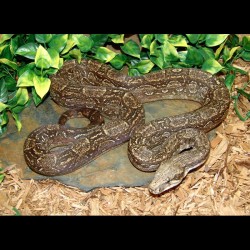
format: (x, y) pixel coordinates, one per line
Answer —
(113, 102)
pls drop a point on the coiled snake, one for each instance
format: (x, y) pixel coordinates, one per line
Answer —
(171, 146)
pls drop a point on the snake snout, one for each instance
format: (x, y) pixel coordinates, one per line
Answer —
(157, 186)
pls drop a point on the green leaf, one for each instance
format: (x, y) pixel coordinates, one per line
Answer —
(54, 55)
(215, 39)
(225, 53)
(193, 38)
(231, 52)
(180, 65)
(6, 53)
(233, 40)
(169, 52)
(11, 64)
(2, 129)
(50, 71)
(162, 38)
(28, 50)
(118, 61)
(22, 103)
(12, 102)
(144, 55)
(246, 43)
(29, 38)
(144, 66)
(36, 98)
(42, 59)
(154, 49)
(194, 56)
(43, 38)
(25, 67)
(230, 67)
(212, 66)
(3, 92)
(61, 60)
(242, 92)
(40, 72)
(104, 54)
(5, 37)
(2, 74)
(245, 55)
(146, 40)
(2, 48)
(9, 83)
(17, 212)
(3, 106)
(14, 44)
(23, 97)
(159, 60)
(42, 85)
(182, 55)
(206, 52)
(17, 121)
(70, 44)
(76, 53)
(26, 79)
(229, 79)
(131, 48)
(178, 41)
(117, 38)
(4, 119)
(133, 72)
(84, 43)
(1, 177)
(18, 109)
(98, 41)
(236, 97)
(202, 38)
(58, 42)
(133, 61)
(218, 51)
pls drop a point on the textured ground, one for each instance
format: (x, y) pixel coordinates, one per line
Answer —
(220, 187)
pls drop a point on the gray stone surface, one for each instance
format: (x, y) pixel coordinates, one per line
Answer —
(113, 168)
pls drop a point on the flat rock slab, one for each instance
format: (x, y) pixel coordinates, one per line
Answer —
(113, 168)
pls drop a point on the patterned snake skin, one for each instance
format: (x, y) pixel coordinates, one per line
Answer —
(113, 102)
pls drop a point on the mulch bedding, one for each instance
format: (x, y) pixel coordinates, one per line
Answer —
(220, 187)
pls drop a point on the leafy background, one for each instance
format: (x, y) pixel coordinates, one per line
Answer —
(28, 60)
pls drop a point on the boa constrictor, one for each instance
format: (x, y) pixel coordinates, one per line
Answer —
(171, 146)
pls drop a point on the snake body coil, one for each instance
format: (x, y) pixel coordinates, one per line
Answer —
(171, 146)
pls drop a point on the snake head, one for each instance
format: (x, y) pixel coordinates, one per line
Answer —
(166, 177)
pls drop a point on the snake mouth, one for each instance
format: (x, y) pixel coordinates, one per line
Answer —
(160, 188)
